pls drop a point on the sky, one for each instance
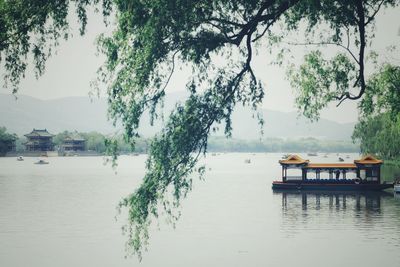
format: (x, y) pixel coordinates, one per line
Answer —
(70, 71)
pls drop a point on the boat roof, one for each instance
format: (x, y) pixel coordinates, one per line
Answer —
(331, 166)
(293, 159)
(297, 160)
(368, 159)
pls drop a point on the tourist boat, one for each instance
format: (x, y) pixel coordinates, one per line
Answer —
(20, 158)
(312, 154)
(41, 161)
(296, 174)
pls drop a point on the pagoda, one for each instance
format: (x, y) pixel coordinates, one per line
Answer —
(39, 140)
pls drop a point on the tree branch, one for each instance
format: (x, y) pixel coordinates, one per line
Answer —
(329, 43)
(371, 18)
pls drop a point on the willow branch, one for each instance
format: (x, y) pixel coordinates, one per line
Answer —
(329, 43)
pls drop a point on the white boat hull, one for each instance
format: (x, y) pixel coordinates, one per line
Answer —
(397, 188)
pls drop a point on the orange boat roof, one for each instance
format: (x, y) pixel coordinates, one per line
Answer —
(368, 159)
(297, 160)
(293, 159)
(331, 165)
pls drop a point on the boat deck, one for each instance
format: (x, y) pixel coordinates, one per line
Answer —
(303, 185)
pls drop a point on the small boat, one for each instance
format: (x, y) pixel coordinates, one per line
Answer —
(20, 158)
(41, 162)
(340, 159)
(312, 154)
(247, 161)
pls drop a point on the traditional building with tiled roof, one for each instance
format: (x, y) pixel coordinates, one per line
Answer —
(39, 140)
(74, 143)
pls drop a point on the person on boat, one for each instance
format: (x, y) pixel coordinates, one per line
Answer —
(337, 174)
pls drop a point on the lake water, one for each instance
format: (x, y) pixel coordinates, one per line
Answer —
(63, 214)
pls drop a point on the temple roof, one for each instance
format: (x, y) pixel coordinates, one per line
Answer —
(74, 138)
(293, 159)
(39, 132)
(368, 159)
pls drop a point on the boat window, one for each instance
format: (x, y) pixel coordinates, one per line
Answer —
(363, 174)
(294, 174)
(311, 174)
(372, 174)
(351, 175)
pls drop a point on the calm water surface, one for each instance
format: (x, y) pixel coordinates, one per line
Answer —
(63, 214)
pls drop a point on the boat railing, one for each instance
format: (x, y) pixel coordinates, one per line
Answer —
(294, 177)
(330, 181)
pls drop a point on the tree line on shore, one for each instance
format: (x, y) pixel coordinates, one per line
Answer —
(96, 142)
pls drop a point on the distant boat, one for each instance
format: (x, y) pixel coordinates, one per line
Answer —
(312, 154)
(340, 159)
(347, 157)
(41, 162)
(247, 161)
(20, 158)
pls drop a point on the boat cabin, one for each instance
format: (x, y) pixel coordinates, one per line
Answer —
(365, 170)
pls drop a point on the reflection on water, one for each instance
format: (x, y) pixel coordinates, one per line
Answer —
(371, 213)
(62, 214)
(358, 201)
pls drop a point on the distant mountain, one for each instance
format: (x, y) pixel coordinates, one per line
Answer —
(71, 113)
(288, 125)
(80, 113)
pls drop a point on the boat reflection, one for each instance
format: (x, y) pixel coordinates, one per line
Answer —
(342, 200)
(335, 211)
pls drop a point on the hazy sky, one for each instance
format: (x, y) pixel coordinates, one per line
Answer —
(70, 71)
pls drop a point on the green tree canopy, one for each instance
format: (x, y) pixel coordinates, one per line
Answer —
(378, 130)
(5, 140)
(152, 37)
(32, 29)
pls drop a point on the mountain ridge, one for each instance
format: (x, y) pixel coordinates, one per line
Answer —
(84, 114)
